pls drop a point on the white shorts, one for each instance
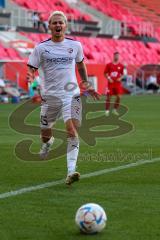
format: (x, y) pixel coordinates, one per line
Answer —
(53, 108)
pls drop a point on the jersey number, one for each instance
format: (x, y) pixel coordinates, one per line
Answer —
(44, 120)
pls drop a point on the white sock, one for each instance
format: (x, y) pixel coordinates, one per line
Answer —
(72, 154)
(51, 140)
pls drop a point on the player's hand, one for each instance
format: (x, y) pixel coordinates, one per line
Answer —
(95, 95)
(30, 77)
(119, 80)
(110, 80)
(87, 89)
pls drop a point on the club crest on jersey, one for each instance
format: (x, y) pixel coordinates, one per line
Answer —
(70, 50)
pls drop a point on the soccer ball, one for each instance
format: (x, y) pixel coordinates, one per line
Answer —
(91, 218)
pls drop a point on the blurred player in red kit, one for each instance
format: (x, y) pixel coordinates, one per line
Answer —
(114, 74)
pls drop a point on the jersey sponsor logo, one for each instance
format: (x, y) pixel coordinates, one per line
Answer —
(60, 60)
(114, 74)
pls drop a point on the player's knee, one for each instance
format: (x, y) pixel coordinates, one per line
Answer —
(71, 133)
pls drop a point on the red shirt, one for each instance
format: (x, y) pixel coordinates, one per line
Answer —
(114, 71)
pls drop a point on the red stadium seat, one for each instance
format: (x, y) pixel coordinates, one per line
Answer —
(9, 53)
(131, 13)
(47, 6)
(13, 54)
(99, 50)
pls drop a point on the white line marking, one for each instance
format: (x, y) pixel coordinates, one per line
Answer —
(88, 175)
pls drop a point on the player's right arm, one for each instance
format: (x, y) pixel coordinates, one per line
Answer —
(109, 78)
(30, 74)
(106, 73)
(33, 64)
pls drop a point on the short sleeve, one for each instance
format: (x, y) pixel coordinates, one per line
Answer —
(80, 54)
(34, 59)
(122, 69)
(106, 70)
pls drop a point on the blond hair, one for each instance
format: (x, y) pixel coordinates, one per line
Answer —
(58, 13)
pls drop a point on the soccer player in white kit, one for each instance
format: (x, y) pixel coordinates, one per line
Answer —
(56, 59)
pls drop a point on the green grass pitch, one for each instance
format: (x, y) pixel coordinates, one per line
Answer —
(130, 197)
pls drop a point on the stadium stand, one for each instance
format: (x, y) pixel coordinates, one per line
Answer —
(158, 33)
(133, 13)
(115, 11)
(100, 50)
(145, 8)
(5, 18)
(9, 53)
(46, 6)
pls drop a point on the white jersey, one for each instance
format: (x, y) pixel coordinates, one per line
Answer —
(56, 64)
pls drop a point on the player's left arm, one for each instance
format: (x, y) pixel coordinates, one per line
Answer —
(122, 74)
(84, 78)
